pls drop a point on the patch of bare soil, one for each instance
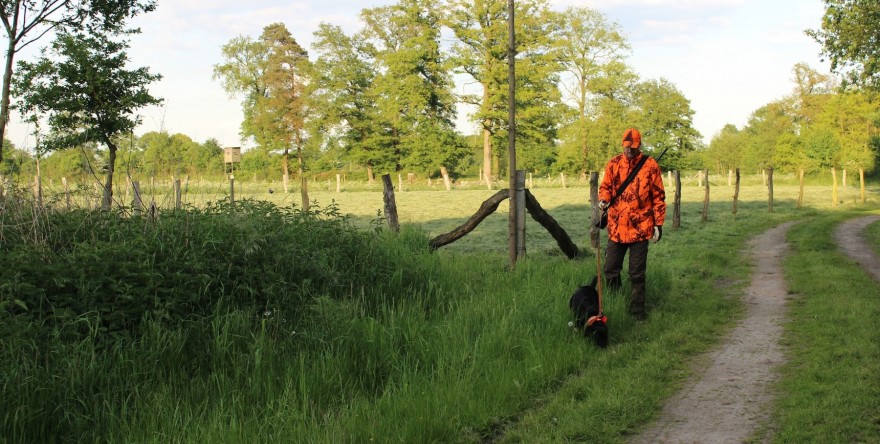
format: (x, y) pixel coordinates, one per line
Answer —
(848, 236)
(726, 402)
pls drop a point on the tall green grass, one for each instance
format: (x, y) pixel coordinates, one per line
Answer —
(831, 384)
(325, 328)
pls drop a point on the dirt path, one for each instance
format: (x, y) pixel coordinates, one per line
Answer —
(726, 402)
(849, 238)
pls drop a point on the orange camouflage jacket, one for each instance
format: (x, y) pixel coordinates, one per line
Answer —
(641, 206)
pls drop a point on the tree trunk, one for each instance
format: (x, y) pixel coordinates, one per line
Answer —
(108, 184)
(487, 145)
(486, 208)
(549, 223)
(371, 177)
(7, 84)
(770, 188)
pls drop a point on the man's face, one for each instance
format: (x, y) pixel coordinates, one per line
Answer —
(630, 152)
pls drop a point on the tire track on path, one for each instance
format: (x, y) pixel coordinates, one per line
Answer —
(726, 403)
(849, 238)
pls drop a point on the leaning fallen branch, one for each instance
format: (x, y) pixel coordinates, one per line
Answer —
(491, 204)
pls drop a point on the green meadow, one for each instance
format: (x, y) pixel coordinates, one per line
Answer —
(259, 322)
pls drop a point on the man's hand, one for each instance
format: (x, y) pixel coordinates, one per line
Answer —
(603, 205)
(658, 233)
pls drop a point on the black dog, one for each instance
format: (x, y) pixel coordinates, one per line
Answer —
(584, 304)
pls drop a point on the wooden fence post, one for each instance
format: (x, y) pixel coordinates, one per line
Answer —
(390, 204)
(834, 199)
(736, 192)
(562, 178)
(177, 194)
(138, 202)
(231, 189)
(338, 183)
(676, 208)
(594, 206)
(862, 184)
(801, 191)
(304, 192)
(770, 188)
(705, 217)
(520, 214)
(66, 193)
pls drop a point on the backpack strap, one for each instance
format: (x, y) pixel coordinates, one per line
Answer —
(629, 178)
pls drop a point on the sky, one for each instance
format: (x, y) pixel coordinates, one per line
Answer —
(728, 57)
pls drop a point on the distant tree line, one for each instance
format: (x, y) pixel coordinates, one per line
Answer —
(384, 100)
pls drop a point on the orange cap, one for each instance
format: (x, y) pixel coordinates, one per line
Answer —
(632, 138)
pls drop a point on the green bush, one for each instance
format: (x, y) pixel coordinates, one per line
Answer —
(251, 256)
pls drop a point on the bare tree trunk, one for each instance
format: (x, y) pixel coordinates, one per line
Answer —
(285, 170)
(7, 83)
(486, 208)
(108, 184)
(487, 145)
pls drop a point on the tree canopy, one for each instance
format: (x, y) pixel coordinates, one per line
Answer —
(86, 93)
(850, 38)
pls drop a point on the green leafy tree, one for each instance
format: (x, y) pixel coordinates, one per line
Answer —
(613, 109)
(17, 163)
(272, 75)
(764, 127)
(725, 148)
(666, 121)
(414, 88)
(480, 51)
(282, 112)
(343, 98)
(590, 48)
(87, 93)
(26, 21)
(850, 38)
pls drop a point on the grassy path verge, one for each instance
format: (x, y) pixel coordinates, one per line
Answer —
(830, 391)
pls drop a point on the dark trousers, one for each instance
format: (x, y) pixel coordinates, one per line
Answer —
(638, 265)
